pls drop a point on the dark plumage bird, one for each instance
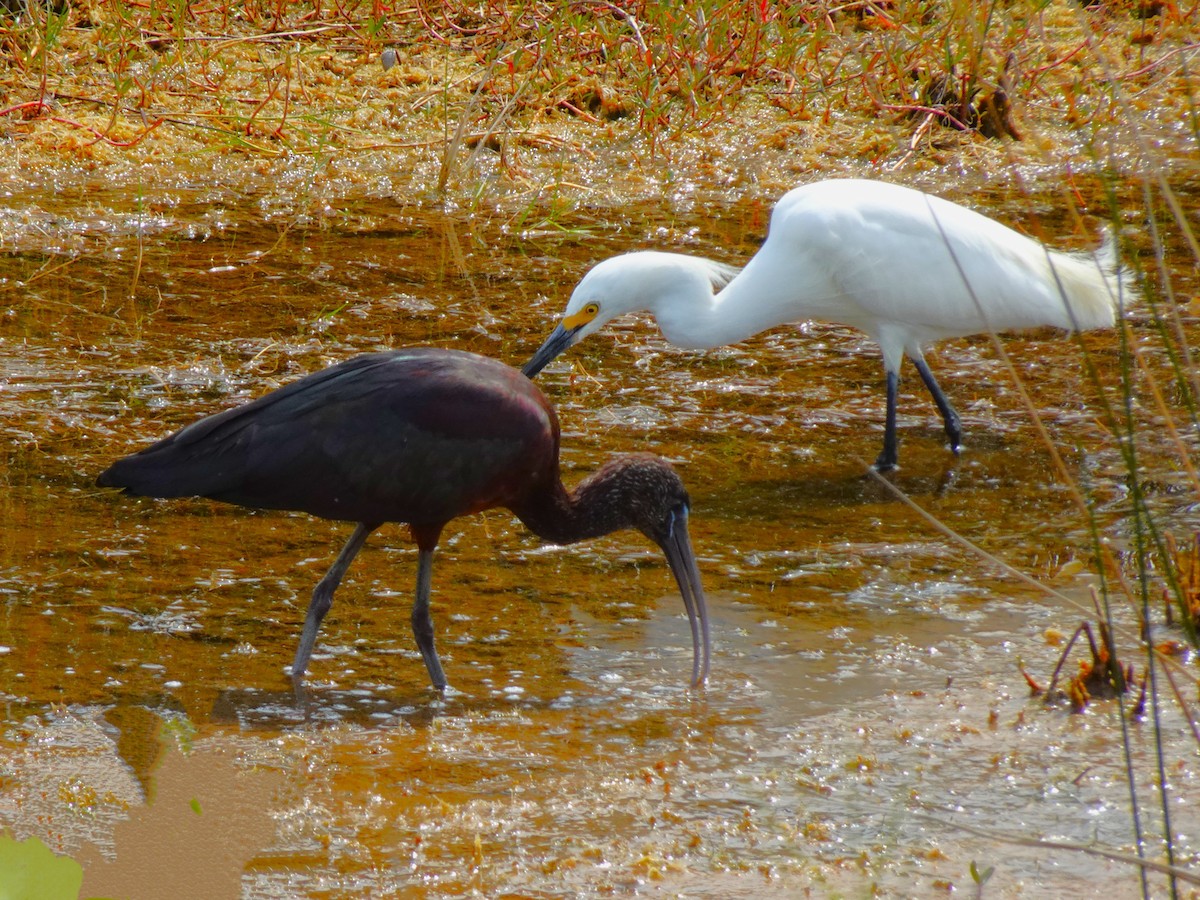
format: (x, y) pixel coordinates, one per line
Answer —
(418, 436)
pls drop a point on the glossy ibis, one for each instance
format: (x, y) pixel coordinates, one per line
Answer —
(418, 436)
(900, 265)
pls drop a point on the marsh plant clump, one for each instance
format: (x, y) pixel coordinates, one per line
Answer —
(1182, 603)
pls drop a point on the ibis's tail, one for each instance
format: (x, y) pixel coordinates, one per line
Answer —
(168, 469)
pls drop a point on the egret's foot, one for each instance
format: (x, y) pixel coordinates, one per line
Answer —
(885, 464)
(955, 438)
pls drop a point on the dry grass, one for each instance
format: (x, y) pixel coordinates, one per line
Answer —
(513, 96)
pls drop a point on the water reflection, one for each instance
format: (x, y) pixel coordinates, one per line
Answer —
(864, 669)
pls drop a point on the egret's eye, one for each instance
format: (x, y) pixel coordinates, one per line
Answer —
(588, 312)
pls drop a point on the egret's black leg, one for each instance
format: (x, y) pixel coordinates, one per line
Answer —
(886, 461)
(322, 597)
(422, 623)
(949, 416)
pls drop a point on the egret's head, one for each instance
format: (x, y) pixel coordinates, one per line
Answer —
(613, 287)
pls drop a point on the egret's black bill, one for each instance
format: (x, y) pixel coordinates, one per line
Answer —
(678, 548)
(560, 339)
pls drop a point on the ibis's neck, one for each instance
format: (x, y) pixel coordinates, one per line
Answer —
(593, 509)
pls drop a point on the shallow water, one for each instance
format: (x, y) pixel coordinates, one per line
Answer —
(865, 706)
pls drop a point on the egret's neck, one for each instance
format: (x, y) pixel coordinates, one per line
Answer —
(692, 316)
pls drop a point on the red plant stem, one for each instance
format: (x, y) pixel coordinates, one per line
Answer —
(929, 110)
(571, 107)
(270, 96)
(101, 136)
(39, 105)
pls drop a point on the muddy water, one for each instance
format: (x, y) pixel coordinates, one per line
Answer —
(865, 710)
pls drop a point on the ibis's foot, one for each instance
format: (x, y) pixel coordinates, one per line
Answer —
(444, 697)
(437, 676)
(301, 695)
(442, 688)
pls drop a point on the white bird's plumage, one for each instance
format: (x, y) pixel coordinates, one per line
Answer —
(875, 256)
(905, 267)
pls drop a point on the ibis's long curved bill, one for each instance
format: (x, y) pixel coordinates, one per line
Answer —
(678, 548)
(559, 340)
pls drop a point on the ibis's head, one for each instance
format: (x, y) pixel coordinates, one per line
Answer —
(642, 491)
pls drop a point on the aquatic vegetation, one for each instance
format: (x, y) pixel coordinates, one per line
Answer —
(1181, 596)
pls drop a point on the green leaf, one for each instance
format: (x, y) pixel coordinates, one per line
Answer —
(29, 870)
(981, 878)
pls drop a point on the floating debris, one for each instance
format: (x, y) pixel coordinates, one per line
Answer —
(1101, 678)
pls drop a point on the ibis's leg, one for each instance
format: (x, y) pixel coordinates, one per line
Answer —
(886, 461)
(949, 416)
(322, 597)
(422, 623)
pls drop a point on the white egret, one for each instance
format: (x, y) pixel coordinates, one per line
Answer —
(905, 267)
